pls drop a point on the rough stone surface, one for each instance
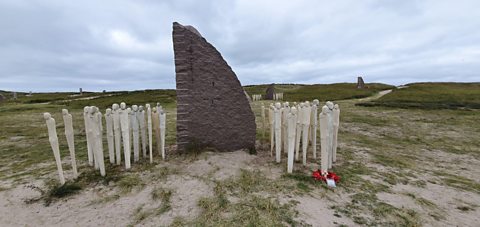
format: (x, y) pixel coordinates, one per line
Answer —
(270, 92)
(212, 109)
(360, 83)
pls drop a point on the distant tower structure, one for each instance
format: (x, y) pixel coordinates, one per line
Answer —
(270, 92)
(14, 95)
(360, 83)
(81, 91)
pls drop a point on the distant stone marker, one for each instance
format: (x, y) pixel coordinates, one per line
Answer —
(14, 95)
(360, 83)
(212, 108)
(81, 91)
(270, 92)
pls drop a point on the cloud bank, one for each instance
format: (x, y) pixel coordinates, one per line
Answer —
(60, 45)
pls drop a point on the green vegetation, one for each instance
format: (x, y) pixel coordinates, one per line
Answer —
(432, 96)
(251, 207)
(322, 92)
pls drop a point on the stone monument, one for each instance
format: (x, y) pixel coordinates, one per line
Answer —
(68, 122)
(53, 138)
(212, 108)
(360, 83)
(270, 92)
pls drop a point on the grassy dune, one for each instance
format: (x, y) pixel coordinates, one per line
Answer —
(432, 96)
(323, 92)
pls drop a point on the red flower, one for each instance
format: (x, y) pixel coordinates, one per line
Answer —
(317, 175)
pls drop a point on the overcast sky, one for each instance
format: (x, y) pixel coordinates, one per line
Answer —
(127, 45)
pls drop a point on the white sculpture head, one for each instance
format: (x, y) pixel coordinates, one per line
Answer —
(129, 110)
(329, 104)
(147, 105)
(316, 102)
(325, 109)
(92, 110)
(140, 108)
(64, 111)
(294, 103)
(108, 111)
(86, 109)
(115, 107)
(336, 106)
(278, 105)
(123, 105)
(158, 104)
(154, 109)
(135, 108)
(307, 103)
(293, 110)
(46, 116)
(287, 104)
(302, 105)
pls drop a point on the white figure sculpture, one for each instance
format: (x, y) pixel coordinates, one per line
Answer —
(96, 118)
(324, 140)
(136, 133)
(285, 112)
(110, 135)
(272, 127)
(156, 126)
(143, 132)
(163, 125)
(305, 126)
(336, 122)
(298, 134)
(125, 128)
(149, 126)
(53, 138)
(291, 129)
(86, 111)
(313, 124)
(263, 121)
(330, 132)
(118, 133)
(68, 122)
(278, 131)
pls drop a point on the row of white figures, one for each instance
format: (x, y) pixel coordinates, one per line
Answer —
(121, 122)
(130, 126)
(278, 96)
(290, 125)
(256, 97)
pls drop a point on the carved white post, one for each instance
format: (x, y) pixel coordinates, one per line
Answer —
(110, 136)
(336, 123)
(324, 140)
(263, 121)
(53, 138)
(163, 126)
(156, 127)
(86, 111)
(118, 133)
(143, 132)
(291, 128)
(136, 133)
(149, 126)
(125, 128)
(271, 121)
(305, 125)
(68, 122)
(330, 132)
(278, 131)
(96, 118)
(313, 124)
(298, 134)
(285, 112)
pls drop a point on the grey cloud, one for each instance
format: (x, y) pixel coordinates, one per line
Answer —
(117, 45)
